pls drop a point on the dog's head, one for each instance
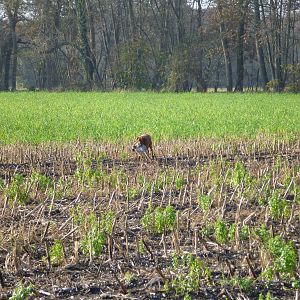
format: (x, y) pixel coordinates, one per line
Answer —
(139, 147)
(134, 147)
(137, 144)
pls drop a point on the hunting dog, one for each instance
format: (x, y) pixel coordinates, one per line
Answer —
(142, 146)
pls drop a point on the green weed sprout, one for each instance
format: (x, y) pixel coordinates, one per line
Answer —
(204, 201)
(21, 292)
(239, 173)
(278, 207)
(94, 238)
(56, 253)
(17, 190)
(244, 283)
(188, 272)
(221, 231)
(284, 255)
(159, 220)
(42, 181)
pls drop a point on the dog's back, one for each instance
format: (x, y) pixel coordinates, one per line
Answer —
(146, 140)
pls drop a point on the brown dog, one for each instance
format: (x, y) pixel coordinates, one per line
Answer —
(142, 146)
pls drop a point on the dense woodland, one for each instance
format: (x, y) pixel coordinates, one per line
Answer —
(174, 45)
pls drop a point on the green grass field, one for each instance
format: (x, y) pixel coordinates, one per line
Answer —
(39, 117)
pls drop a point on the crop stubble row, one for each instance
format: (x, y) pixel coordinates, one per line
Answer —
(89, 179)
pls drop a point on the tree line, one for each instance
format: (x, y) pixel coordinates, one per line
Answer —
(175, 45)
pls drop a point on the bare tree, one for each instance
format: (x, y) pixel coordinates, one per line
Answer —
(242, 6)
(12, 9)
(85, 49)
(225, 46)
(259, 43)
(5, 55)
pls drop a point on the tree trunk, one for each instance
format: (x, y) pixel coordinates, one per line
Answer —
(132, 20)
(14, 55)
(259, 48)
(277, 43)
(177, 7)
(269, 49)
(226, 53)
(226, 50)
(1, 68)
(161, 14)
(201, 82)
(2, 55)
(85, 46)
(242, 10)
(287, 42)
(12, 13)
(5, 59)
(7, 68)
(240, 56)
